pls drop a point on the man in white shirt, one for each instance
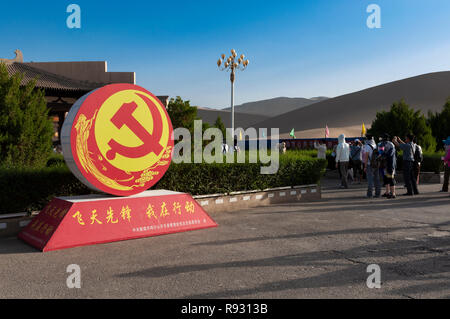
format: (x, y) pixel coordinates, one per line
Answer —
(342, 159)
(224, 148)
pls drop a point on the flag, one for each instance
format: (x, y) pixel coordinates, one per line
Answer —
(292, 134)
(327, 132)
(240, 135)
(264, 134)
(363, 130)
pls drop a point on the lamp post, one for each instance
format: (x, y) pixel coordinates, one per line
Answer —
(232, 64)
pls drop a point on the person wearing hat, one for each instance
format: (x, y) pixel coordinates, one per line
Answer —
(388, 165)
(446, 160)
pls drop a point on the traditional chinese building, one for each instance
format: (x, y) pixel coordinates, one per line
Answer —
(65, 82)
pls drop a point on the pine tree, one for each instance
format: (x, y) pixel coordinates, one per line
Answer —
(440, 124)
(182, 114)
(400, 120)
(25, 128)
(220, 125)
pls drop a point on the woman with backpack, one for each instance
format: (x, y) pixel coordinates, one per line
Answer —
(356, 160)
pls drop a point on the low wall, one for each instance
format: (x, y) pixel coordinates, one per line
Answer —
(10, 227)
(243, 200)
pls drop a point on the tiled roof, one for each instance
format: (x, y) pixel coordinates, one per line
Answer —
(47, 80)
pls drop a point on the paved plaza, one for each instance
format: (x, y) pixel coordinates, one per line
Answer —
(303, 250)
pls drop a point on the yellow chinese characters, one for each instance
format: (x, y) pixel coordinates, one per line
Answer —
(79, 218)
(177, 208)
(37, 225)
(94, 217)
(190, 208)
(110, 216)
(42, 227)
(164, 211)
(49, 230)
(63, 213)
(126, 213)
(151, 212)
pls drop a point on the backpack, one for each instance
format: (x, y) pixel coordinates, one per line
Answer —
(355, 150)
(418, 154)
(374, 158)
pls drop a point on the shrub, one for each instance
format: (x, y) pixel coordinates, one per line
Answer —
(31, 189)
(400, 120)
(28, 189)
(199, 179)
(432, 162)
(55, 160)
(440, 124)
(25, 129)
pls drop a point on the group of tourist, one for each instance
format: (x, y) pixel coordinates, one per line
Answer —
(378, 161)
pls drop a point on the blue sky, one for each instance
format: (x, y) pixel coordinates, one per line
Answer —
(296, 48)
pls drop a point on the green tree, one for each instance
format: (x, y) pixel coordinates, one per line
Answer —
(220, 125)
(182, 114)
(440, 124)
(401, 120)
(25, 128)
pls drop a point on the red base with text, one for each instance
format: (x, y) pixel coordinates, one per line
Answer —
(95, 219)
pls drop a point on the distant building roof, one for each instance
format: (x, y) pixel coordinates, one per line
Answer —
(75, 78)
(92, 71)
(47, 80)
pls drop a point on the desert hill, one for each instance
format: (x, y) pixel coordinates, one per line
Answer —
(275, 106)
(240, 119)
(346, 113)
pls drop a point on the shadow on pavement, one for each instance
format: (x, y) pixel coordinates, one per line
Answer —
(421, 266)
(13, 245)
(364, 206)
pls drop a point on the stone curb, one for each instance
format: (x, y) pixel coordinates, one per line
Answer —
(242, 200)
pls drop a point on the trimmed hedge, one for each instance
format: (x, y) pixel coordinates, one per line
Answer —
(31, 189)
(200, 179)
(432, 162)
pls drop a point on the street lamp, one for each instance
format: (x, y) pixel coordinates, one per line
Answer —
(232, 63)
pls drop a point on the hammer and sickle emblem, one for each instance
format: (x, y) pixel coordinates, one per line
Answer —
(151, 142)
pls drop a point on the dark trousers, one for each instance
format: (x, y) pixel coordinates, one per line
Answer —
(357, 169)
(417, 172)
(446, 178)
(339, 170)
(343, 169)
(373, 181)
(410, 179)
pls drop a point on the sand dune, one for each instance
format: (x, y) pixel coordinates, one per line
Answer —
(240, 119)
(275, 106)
(346, 113)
